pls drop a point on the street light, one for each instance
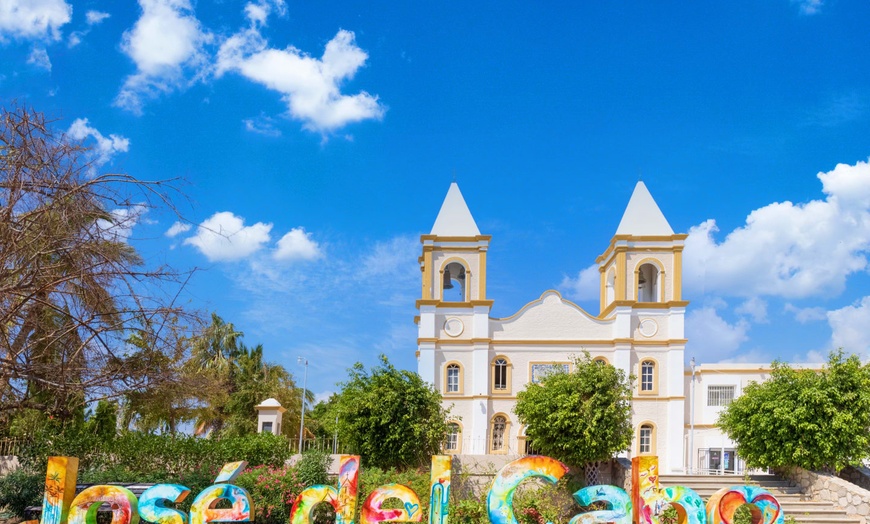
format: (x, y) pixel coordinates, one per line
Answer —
(304, 362)
(692, 420)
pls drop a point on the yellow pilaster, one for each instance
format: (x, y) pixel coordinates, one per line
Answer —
(427, 274)
(481, 277)
(621, 276)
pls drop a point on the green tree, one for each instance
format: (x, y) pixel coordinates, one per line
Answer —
(580, 416)
(802, 417)
(389, 416)
(72, 290)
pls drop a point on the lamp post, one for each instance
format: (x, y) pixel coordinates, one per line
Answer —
(304, 362)
(692, 420)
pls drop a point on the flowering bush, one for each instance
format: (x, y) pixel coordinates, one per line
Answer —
(273, 490)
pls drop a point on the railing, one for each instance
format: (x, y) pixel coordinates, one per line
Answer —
(329, 445)
(10, 446)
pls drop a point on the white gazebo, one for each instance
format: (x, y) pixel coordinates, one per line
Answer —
(269, 414)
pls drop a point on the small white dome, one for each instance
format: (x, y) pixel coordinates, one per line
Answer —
(270, 403)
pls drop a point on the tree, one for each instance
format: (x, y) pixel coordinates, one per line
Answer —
(72, 290)
(580, 416)
(803, 417)
(389, 416)
(233, 379)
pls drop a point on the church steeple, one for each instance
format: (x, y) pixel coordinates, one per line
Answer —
(454, 219)
(643, 264)
(642, 215)
(454, 254)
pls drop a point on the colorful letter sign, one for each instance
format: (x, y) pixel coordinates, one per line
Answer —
(646, 505)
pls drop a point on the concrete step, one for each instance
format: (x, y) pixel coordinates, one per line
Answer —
(794, 503)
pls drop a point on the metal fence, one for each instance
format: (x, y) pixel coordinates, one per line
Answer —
(329, 445)
(10, 446)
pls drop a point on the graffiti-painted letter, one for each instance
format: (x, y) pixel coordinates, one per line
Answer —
(439, 492)
(617, 500)
(152, 504)
(499, 500)
(86, 504)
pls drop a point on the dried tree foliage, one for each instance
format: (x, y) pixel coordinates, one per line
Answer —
(80, 317)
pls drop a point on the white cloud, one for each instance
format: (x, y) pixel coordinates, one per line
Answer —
(788, 250)
(33, 19)
(297, 245)
(224, 237)
(809, 7)
(310, 86)
(395, 258)
(95, 17)
(712, 338)
(39, 58)
(166, 43)
(807, 314)
(262, 125)
(177, 228)
(587, 285)
(120, 226)
(754, 307)
(849, 328)
(105, 148)
(258, 12)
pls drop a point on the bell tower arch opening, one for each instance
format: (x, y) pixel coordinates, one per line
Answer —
(648, 283)
(454, 281)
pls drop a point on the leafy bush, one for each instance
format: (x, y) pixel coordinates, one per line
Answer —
(142, 454)
(468, 511)
(313, 468)
(539, 503)
(273, 491)
(20, 489)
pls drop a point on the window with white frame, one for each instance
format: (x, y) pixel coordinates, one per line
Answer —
(453, 378)
(500, 374)
(647, 375)
(499, 424)
(720, 395)
(646, 436)
(452, 443)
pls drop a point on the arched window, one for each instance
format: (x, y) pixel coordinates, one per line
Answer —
(453, 280)
(453, 378)
(601, 361)
(648, 377)
(648, 283)
(454, 438)
(497, 437)
(646, 439)
(501, 375)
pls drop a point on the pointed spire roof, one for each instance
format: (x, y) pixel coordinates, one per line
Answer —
(642, 216)
(454, 219)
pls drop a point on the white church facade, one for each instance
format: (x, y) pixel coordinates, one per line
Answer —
(480, 363)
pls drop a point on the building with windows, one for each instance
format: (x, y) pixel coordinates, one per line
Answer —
(480, 363)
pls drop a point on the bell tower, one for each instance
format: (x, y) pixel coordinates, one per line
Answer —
(453, 307)
(643, 264)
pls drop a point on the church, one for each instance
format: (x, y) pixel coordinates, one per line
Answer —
(479, 363)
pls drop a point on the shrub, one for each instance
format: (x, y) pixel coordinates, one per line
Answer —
(21, 488)
(273, 491)
(313, 468)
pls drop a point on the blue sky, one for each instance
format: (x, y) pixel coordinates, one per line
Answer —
(324, 135)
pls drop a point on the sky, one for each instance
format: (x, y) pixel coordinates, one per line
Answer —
(313, 143)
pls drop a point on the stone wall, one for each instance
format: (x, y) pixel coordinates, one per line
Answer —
(621, 474)
(826, 487)
(859, 476)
